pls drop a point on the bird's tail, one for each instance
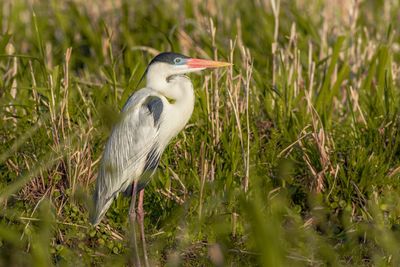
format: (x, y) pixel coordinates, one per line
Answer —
(100, 208)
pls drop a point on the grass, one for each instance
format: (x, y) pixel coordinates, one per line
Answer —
(291, 157)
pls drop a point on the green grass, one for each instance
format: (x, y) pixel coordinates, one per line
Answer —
(291, 157)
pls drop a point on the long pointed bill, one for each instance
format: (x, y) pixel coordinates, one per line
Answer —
(196, 63)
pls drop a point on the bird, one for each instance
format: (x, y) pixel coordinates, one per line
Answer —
(149, 120)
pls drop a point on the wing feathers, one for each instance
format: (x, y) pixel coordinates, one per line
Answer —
(130, 150)
(155, 106)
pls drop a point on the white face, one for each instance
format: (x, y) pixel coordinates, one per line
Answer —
(158, 75)
(183, 69)
(162, 71)
(181, 65)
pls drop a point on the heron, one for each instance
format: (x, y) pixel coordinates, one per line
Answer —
(150, 118)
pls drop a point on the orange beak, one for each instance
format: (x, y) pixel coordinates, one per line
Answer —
(196, 63)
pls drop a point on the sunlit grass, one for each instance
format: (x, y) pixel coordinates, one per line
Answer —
(291, 156)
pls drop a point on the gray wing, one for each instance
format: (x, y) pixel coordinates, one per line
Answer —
(130, 151)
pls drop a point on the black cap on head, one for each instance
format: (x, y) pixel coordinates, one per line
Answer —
(167, 57)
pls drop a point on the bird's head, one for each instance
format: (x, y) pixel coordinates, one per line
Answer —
(168, 65)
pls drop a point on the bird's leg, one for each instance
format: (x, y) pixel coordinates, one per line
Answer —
(140, 216)
(132, 219)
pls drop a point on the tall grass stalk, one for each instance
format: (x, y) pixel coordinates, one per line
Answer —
(291, 157)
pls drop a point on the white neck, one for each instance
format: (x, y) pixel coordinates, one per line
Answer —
(181, 107)
(178, 103)
(177, 88)
(178, 98)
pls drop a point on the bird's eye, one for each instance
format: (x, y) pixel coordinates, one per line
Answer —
(177, 60)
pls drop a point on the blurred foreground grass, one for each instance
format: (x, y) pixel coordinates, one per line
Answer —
(291, 157)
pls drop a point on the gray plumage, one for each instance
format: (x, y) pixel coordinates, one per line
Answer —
(149, 120)
(155, 106)
(127, 155)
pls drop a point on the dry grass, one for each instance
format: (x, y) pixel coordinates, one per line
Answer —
(296, 143)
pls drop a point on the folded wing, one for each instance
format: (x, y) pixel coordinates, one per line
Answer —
(131, 150)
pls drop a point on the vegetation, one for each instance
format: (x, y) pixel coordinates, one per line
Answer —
(291, 157)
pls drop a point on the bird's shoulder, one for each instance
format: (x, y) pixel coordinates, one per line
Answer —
(145, 103)
(140, 97)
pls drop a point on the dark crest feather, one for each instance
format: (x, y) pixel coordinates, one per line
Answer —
(166, 57)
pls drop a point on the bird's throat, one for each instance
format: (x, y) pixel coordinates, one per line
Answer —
(172, 77)
(170, 100)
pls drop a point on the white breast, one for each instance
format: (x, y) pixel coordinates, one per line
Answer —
(177, 112)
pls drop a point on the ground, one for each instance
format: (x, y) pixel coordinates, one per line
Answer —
(291, 157)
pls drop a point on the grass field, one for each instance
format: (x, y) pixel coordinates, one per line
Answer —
(291, 157)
